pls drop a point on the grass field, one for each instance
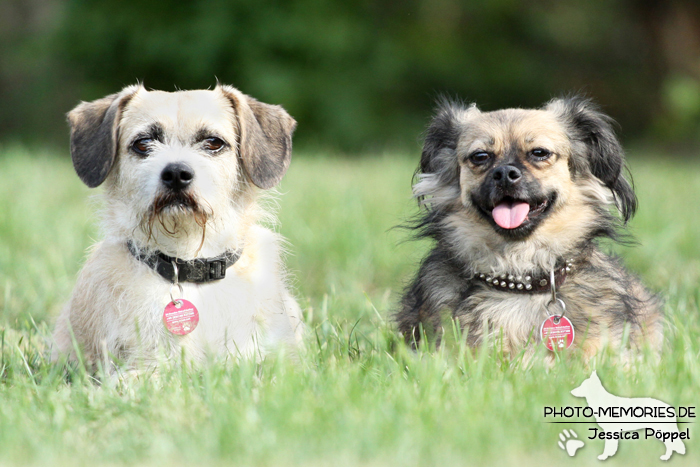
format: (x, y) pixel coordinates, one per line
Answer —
(357, 397)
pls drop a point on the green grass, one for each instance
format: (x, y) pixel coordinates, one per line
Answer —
(358, 396)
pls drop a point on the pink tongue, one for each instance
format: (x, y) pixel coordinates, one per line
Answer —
(510, 215)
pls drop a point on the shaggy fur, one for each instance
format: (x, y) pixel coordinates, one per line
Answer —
(234, 146)
(568, 166)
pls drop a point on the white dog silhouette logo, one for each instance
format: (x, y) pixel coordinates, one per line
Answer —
(613, 424)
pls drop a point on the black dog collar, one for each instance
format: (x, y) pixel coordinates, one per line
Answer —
(529, 283)
(200, 270)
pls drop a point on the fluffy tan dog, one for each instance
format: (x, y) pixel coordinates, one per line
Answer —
(182, 173)
(515, 198)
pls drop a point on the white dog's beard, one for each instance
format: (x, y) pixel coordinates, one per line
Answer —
(177, 214)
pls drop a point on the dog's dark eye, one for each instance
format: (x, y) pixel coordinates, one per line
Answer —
(142, 146)
(540, 154)
(214, 144)
(479, 157)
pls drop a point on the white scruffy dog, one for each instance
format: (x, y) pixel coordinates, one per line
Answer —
(182, 173)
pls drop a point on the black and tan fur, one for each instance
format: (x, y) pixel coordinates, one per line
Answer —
(570, 168)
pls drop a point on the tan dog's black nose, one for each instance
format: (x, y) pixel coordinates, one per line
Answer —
(177, 176)
(506, 175)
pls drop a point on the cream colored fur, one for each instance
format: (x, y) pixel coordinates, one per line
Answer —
(117, 304)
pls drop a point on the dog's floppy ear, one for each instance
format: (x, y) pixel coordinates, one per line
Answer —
(265, 138)
(94, 135)
(602, 153)
(442, 137)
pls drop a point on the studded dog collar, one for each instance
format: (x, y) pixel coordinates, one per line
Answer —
(200, 270)
(529, 283)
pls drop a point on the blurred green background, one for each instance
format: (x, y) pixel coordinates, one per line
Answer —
(358, 75)
(361, 78)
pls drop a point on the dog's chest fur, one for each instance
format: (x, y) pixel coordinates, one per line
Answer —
(510, 317)
(602, 302)
(250, 303)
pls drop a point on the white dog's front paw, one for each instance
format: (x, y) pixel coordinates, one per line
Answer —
(569, 444)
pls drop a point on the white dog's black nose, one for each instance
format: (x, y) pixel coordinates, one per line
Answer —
(177, 176)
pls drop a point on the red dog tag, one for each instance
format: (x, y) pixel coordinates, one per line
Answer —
(557, 336)
(180, 317)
